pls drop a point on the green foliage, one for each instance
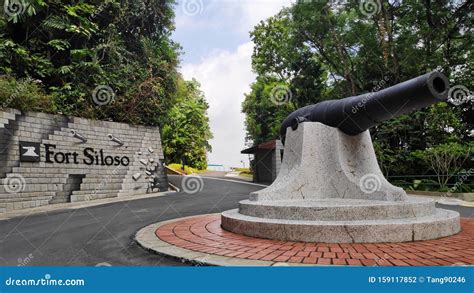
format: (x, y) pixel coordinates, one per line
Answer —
(187, 169)
(72, 48)
(329, 50)
(186, 136)
(446, 159)
(263, 115)
(23, 94)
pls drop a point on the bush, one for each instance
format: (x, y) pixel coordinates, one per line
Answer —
(188, 170)
(24, 95)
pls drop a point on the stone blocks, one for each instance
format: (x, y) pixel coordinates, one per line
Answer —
(56, 181)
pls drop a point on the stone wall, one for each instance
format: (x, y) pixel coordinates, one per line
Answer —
(104, 159)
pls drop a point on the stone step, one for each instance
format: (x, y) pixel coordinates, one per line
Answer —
(337, 209)
(26, 204)
(94, 191)
(8, 196)
(28, 198)
(35, 187)
(135, 192)
(442, 223)
(92, 196)
(105, 185)
(103, 179)
(7, 115)
(40, 180)
(57, 199)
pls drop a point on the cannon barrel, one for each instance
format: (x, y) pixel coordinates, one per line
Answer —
(354, 115)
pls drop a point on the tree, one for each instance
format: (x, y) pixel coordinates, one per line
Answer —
(289, 78)
(359, 52)
(76, 48)
(445, 160)
(265, 109)
(186, 137)
(111, 59)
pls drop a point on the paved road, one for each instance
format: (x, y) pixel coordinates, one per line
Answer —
(104, 234)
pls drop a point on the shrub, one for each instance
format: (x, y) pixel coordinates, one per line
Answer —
(24, 95)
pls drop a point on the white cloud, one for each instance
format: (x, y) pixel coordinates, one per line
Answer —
(225, 74)
(255, 11)
(225, 78)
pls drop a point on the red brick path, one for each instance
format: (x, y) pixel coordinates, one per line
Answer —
(204, 234)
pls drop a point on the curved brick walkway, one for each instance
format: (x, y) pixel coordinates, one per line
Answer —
(204, 234)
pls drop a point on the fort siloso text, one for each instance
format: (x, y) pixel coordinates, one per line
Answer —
(91, 157)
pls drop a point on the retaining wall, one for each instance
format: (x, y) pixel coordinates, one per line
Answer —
(42, 162)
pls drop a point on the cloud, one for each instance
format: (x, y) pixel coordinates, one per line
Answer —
(255, 11)
(218, 51)
(225, 77)
(237, 15)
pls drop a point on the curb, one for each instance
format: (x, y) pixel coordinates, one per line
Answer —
(147, 239)
(51, 208)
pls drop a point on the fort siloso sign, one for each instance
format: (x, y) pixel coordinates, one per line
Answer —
(31, 152)
(48, 159)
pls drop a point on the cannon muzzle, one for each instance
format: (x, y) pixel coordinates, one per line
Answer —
(354, 115)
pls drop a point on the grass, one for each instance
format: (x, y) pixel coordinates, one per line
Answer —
(188, 170)
(245, 172)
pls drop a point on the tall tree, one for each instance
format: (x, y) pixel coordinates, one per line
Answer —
(186, 136)
(111, 59)
(359, 51)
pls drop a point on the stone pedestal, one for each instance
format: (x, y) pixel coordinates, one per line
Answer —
(330, 189)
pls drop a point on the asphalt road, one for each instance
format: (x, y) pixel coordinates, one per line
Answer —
(104, 234)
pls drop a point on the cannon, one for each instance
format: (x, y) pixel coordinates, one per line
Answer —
(79, 136)
(354, 115)
(115, 139)
(330, 187)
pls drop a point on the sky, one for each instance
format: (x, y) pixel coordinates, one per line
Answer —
(214, 35)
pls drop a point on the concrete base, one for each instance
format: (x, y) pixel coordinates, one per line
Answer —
(343, 221)
(322, 162)
(330, 189)
(338, 209)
